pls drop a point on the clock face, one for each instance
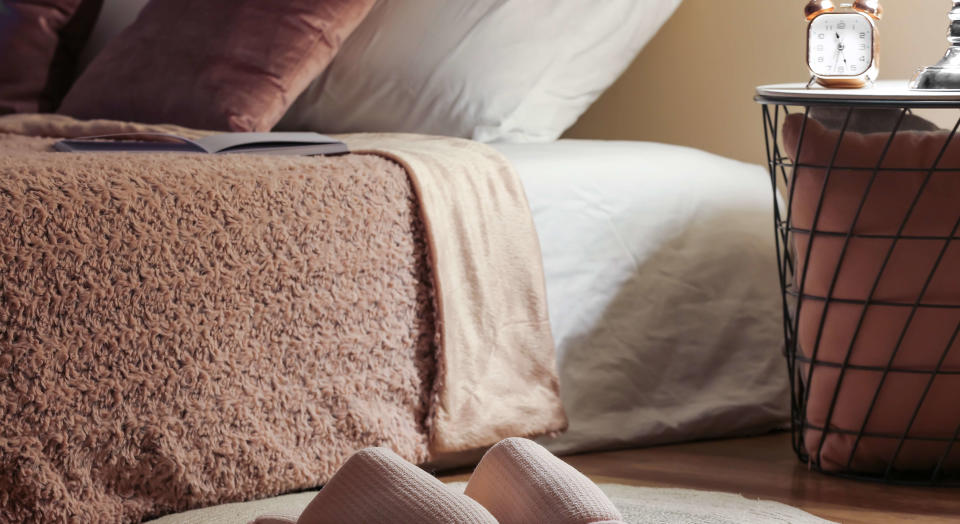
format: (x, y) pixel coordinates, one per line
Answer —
(840, 44)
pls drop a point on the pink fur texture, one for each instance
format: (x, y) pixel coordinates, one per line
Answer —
(191, 330)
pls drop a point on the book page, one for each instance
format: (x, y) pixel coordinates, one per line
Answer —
(252, 141)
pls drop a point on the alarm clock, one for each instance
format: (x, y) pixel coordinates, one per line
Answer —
(843, 42)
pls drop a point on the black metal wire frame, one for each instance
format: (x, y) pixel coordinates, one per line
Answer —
(782, 171)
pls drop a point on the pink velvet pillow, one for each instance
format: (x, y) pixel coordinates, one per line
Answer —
(902, 281)
(233, 65)
(39, 45)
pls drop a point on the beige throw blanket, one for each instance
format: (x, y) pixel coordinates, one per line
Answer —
(183, 330)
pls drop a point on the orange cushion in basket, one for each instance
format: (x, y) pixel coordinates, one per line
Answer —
(929, 332)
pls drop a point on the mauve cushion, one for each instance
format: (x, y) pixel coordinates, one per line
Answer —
(232, 65)
(39, 45)
(926, 343)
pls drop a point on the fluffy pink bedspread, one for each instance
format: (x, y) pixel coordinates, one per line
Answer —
(185, 330)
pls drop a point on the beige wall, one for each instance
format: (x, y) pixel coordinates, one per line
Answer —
(693, 84)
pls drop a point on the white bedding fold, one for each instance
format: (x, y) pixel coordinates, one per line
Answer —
(662, 287)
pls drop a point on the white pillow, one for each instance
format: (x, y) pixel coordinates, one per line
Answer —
(490, 70)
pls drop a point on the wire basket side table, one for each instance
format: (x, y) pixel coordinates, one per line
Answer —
(866, 217)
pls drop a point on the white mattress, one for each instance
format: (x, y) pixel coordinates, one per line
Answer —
(661, 281)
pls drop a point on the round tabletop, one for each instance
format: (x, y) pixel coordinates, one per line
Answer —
(896, 93)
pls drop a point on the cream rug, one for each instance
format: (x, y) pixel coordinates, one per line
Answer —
(638, 505)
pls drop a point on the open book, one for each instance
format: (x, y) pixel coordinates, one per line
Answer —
(225, 143)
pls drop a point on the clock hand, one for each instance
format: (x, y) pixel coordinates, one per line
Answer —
(842, 54)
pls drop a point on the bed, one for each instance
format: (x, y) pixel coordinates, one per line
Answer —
(662, 305)
(649, 268)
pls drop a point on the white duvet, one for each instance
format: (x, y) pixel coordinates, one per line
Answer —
(662, 287)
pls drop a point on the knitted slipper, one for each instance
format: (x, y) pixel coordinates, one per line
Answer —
(519, 481)
(377, 486)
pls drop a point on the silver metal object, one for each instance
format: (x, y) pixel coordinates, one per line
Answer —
(946, 73)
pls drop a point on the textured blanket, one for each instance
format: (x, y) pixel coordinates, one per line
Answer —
(183, 330)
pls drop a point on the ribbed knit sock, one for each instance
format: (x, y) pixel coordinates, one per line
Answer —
(520, 482)
(376, 486)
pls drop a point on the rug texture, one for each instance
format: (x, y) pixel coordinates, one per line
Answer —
(637, 505)
(183, 330)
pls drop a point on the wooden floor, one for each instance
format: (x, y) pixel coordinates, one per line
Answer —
(766, 468)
